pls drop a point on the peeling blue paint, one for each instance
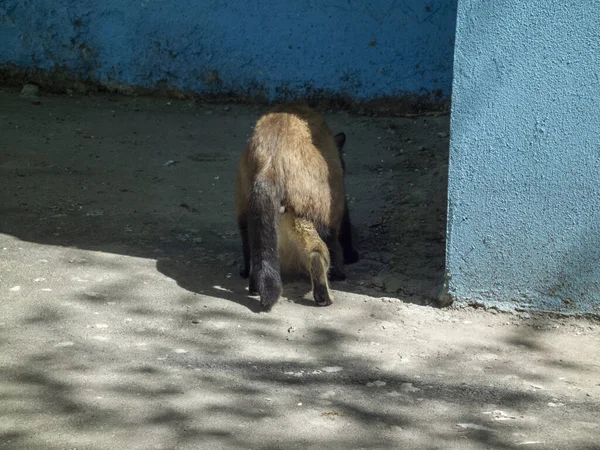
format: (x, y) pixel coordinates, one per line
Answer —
(363, 50)
(524, 185)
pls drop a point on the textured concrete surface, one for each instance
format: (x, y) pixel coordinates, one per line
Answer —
(123, 324)
(524, 197)
(362, 50)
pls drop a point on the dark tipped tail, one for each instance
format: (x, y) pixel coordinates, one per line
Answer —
(345, 237)
(263, 230)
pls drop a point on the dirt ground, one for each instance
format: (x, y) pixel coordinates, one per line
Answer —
(124, 323)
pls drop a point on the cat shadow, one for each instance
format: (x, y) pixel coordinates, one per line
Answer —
(231, 287)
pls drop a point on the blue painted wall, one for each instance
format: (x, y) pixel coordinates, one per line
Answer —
(275, 48)
(524, 193)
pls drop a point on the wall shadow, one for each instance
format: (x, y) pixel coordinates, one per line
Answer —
(150, 179)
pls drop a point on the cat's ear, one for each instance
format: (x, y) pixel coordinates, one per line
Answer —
(340, 140)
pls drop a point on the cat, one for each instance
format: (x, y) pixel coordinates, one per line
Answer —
(291, 206)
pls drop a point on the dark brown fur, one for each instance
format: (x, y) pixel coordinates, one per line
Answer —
(291, 204)
(351, 256)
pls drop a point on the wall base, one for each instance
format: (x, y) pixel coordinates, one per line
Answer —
(60, 81)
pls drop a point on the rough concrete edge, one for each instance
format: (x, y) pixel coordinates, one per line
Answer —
(445, 298)
(532, 303)
(63, 81)
(511, 306)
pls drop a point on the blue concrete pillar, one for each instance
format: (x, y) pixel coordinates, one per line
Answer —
(524, 185)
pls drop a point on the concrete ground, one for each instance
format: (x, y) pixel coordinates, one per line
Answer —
(124, 324)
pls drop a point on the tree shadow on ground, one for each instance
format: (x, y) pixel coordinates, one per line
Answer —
(220, 392)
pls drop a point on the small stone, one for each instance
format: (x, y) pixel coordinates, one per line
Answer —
(30, 90)
(499, 415)
(327, 394)
(15, 288)
(77, 260)
(408, 387)
(393, 283)
(443, 134)
(226, 108)
(332, 369)
(80, 88)
(120, 88)
(473, 426)
(378, 282)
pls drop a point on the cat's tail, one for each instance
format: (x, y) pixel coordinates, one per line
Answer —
(263, 230)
